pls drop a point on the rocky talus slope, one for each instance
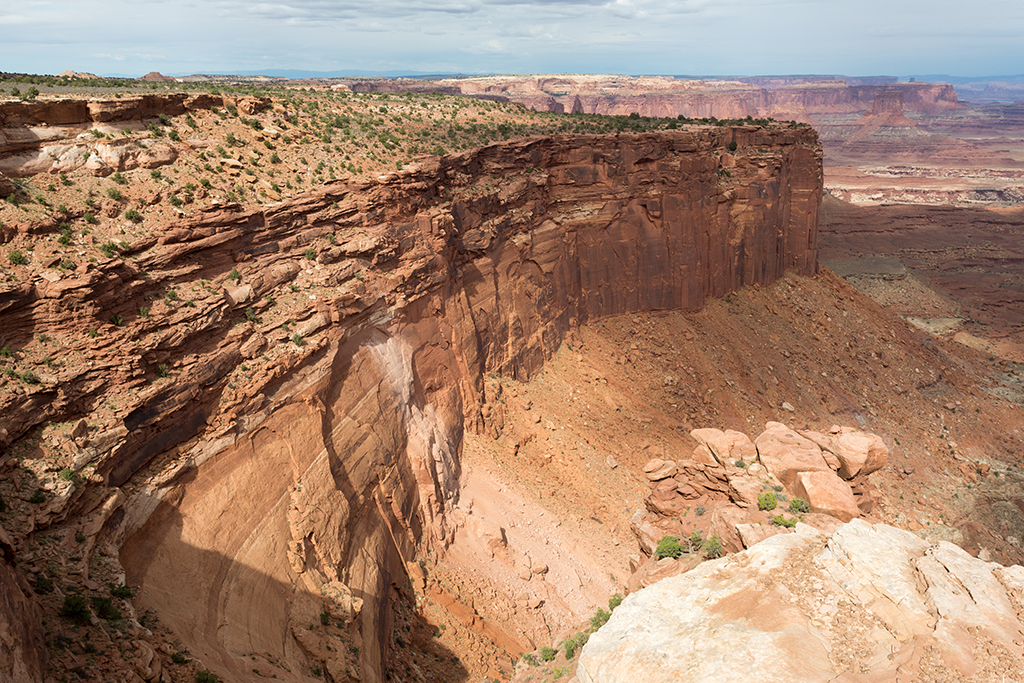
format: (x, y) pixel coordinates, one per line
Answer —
(864, 603)
(253, 478)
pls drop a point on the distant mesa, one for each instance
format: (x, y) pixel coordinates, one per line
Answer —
(157, 77)
(69, 73)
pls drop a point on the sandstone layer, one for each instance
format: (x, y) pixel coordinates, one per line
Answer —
(865, 603)
(276, 467)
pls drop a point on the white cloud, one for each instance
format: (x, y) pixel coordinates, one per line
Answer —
(625, 36)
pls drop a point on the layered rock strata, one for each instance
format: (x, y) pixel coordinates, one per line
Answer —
(282, 464)
(865, 603)
(59, 136)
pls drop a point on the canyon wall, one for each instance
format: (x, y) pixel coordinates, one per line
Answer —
(263, 468)
(662, 96)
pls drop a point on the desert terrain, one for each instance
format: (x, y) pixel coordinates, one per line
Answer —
(320, 384)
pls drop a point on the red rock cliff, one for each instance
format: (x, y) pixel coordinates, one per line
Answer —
(278, 461)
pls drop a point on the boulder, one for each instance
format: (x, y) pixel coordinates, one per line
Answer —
(800, 605)
(857, 452)
(659, 469)
(827, 494)
(727, 447)
(785, 453)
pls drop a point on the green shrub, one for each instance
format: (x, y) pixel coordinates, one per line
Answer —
(114, 194)
(17, 258)
(105, 608)
(614, 601)
(206, 676)
(799, 506)
(310, 253)
(43, 584)
(76, 608)
(298, 340)
(668, 546)
(766, 501)
(572, 645)
(732, 146)
(179, 658)
(782, 520)
(548, 653)
(116, 319)
(712, 548)
(235, 275)
(38, 496)
(89, 218)
(121, 591)
(133, 215)
(165, 119)
(599, 619)
(119, 179)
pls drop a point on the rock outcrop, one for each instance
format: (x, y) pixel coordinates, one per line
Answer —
(728, 474)
(865, 603)
(53, 136)
(278, 462)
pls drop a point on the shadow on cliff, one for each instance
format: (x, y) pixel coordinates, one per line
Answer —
(237, 619)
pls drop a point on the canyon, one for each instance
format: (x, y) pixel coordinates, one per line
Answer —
(490, 367)
(885, 141)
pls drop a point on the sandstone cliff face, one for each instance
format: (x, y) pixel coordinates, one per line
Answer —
(276, 461)
(22, 647)
(866, 603)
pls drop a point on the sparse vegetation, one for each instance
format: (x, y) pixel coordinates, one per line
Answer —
(766, 501)
(799, 506)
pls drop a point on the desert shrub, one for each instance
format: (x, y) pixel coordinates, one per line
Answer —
(528, 658)
(235, 275)
(75, 608)
(668, 546)
(17, 258)
(298, 340)
(599, 619)
(173, 135)
(614, 601)
(43, 584)
(116, 319)
(712, 548)
(548, 653)
(206, 676)
(38, 496)
(572, 645)
(165, 119)
(179, 658)
(114, 194)
(119, 179)
(90, 218)
(310, 253)
(767, 501)
(782, 520)
(105, 608)
(175, 201)
(799, 506)
(732, 146)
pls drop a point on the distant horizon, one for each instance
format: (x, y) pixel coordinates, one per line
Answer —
(290, 73)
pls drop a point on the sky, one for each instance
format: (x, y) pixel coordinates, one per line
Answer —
(672, 37)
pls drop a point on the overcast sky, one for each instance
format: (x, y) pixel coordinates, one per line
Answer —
(709, 37)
